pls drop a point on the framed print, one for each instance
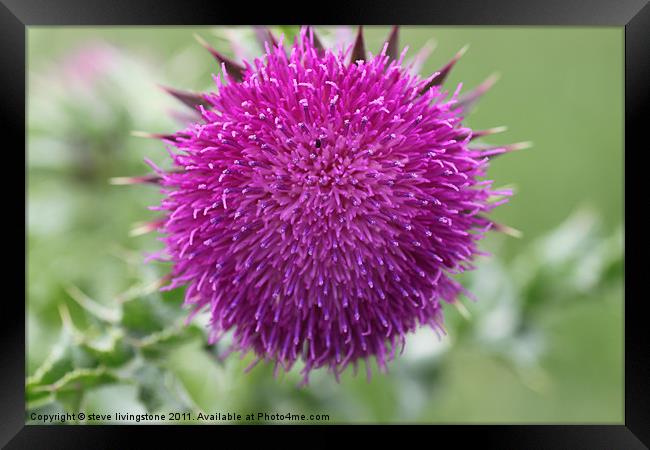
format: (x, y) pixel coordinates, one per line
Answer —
(381, 215)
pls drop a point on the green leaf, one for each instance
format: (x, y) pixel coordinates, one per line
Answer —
(155, 390)
(77, 380)
(199, 374)
(57, 364)
(96, 309)
(110, 349)
(36, 399)
(148, 314)
(68, 390)
(71, 400)
(157, 345)
(64, 357)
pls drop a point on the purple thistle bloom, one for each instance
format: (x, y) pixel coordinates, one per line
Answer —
(322, 202)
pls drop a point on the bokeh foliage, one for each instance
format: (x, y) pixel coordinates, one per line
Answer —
(543, 343)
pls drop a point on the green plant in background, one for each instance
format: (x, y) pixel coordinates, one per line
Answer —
(544, 343)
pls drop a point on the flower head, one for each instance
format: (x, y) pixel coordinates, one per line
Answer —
(323, 201)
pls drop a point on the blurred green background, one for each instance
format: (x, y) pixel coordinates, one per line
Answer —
(543, 344)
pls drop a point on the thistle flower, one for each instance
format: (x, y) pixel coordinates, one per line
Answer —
(323, 201)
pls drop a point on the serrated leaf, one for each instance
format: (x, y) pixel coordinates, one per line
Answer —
(55, 366)
(77, 380)
(110, 349)
(103, 313)
(147, 314)
(37, 398)
(158, 344)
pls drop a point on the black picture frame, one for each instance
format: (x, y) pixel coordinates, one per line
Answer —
(633, 15)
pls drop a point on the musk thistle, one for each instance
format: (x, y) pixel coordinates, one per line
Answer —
(322, 200)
